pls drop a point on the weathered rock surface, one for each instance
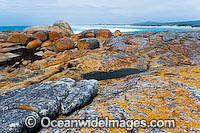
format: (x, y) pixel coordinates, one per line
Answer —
(40, 36)
(171, 60)
(168, 93)
(101, 34)
(117, 33)
(7, 56)
(46, 99)
(64, 26)
(10, 47)
(59, 27)
(144, 51)
(4, 35)
(63, 44)
(53, 36)
(13, 121)
(87, 43)
(44, 28)
(48, 45)
(34, 44)
(20, 38)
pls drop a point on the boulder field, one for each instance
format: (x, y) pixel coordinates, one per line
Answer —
(147, 76)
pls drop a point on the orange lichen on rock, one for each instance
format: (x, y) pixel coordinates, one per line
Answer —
(25, 107)
(34, 44)
(167, 93)
(40, 36)
(20, 38)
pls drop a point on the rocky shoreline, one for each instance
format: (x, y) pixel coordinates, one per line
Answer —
(44, 70)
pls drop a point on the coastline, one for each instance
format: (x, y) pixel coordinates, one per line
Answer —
(132, 29)
(140, 26)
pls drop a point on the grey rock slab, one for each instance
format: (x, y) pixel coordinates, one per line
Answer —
(3, 35)
(79, 95)
(13, 121)
(169, 37)
(7, 56)
(49, 99)
(44, 98)
(10, 49)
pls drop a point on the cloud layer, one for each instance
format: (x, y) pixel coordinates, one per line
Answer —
(45, 12)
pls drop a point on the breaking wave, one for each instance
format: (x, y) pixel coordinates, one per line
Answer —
(78, 29)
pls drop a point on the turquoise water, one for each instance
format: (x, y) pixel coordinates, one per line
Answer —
(3, 28)
(112, 28)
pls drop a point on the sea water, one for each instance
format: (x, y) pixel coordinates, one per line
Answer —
(112, 28)
(4, 28)
(132, 29)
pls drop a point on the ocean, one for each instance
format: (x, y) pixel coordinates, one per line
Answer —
(132, 29)
(3, 28)
(112, 28)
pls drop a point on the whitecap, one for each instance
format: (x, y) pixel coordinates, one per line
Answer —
(79, 28)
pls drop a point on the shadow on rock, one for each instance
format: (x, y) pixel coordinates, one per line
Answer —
(111, 74)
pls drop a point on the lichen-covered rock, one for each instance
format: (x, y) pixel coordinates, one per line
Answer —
(10, 47)
(20, 38)
(64, 26)
(13, 121)
(168, 93)
(34, 44)
(4, 35)
(149, 95)
(4, 57)
(40, 36)
(101, 34)
(48, 96)
(87, 43)
(59, 27)
(79, 95)
(48, 45)
(143, 51)
(44, 28)
(46, 99)
(52, 36)
(63, 44)
(168, 36)
(127, 34)
(76, 37)
(117, 33)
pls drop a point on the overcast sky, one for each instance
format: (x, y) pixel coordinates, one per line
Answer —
(45, 12)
